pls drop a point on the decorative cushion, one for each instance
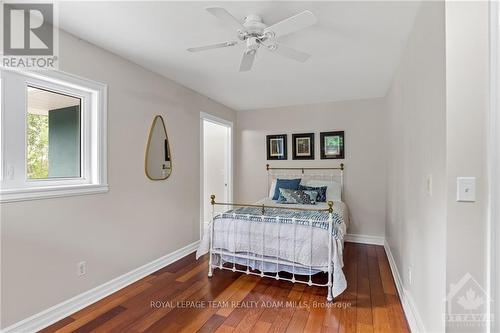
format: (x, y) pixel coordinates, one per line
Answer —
(297, 197)
(292, 184)
(321, 191)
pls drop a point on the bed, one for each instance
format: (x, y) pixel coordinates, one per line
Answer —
(267, 238)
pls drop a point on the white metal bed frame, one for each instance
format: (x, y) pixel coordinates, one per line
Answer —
(276, 260)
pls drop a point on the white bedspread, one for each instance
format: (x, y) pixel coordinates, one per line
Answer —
(257, 239)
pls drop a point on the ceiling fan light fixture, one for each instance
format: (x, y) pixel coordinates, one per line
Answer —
(254, 32)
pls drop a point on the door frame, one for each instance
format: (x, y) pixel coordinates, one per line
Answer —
(230, 161)
(494, 171)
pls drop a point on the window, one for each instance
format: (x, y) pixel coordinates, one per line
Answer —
(53, 135)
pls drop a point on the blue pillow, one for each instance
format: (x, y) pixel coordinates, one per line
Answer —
(290, 184)
(321, 191)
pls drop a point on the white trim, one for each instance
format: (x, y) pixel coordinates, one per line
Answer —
(409, 307)
(215, 119)
(24, 194)
(364, 239)
(202, 180)
(66, 308)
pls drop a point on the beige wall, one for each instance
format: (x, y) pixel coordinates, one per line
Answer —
(440, 95)
(467, 99)
(365, 153)
(137, 221)
(416, 123)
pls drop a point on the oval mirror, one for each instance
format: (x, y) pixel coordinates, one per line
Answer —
(158, 163)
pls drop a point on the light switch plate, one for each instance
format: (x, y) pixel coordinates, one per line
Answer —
(466, 189)
(428, 185)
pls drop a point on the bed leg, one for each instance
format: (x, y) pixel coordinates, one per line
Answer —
(210, 272)
(329, 296)
(210, 268)
(211, 239)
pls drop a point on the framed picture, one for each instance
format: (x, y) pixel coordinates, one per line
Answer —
(276, 147)
(332, 145)
(303, 146)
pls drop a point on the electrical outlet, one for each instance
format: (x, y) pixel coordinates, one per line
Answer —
(410, 276)
(81, 268)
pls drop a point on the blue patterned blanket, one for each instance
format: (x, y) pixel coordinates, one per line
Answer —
(318, 219)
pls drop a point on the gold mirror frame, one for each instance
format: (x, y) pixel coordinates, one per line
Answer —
(153, 124)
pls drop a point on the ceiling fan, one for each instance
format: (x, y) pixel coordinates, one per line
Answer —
(254, 33)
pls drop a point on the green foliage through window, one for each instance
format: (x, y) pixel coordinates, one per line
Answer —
(38, 146)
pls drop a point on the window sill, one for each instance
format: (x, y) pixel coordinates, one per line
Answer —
(27, 194)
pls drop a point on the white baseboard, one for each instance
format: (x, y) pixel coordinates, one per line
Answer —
(409, 307)
(66, 308)
(364, 239)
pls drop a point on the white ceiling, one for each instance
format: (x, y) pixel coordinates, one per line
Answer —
(42, 101)
(355, 47)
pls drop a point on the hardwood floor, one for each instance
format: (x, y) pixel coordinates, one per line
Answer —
(181, 298)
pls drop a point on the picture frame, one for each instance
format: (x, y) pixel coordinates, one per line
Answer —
(276, 147)
(303, 146)
(332, 145)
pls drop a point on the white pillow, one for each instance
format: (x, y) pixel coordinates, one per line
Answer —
(333, 189)
(272, 189)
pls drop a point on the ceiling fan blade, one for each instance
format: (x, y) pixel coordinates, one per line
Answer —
(225, 16)
(212, 46)
(247, 60)
(290, 53)
(292, 24)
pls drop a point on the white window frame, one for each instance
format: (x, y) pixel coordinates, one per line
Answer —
(93, 128)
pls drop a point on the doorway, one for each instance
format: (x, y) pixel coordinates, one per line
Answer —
(216, 163)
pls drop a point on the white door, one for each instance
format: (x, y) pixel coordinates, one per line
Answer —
(216, 164)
